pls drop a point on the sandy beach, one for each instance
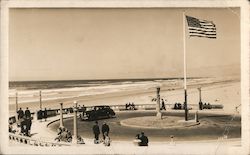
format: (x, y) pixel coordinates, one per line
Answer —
(214, 91)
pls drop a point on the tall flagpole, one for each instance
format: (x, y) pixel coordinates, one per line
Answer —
(16, 101)
(185, 67)
(40, 99)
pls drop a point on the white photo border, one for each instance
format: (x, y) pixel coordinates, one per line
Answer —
(6, 5)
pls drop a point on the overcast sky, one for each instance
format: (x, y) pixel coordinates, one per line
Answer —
(69, 44)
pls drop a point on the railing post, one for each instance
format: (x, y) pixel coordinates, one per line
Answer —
(61, 115)
(74, 140)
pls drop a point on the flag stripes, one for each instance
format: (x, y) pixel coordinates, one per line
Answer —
(201, 28)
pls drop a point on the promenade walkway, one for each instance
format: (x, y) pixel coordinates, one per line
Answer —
(41, 132)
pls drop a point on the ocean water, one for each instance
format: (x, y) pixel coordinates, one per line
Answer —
(35, 85)
(28, 91)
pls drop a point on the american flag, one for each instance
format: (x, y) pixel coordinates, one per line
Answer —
(201, 28)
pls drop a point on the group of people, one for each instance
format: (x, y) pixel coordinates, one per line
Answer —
(141, 139)
(63, 135)
(23, 114)
(177, 106)
(206, 106)
(130, 106)
(105, 133)
(25, 120)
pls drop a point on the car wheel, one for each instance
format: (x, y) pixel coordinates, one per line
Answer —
(110, 116)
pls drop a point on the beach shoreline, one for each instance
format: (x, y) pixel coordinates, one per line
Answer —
(143, 94)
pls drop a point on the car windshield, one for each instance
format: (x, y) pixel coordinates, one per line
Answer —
(89, 108)
(97, 108)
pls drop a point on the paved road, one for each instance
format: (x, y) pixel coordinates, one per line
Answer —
(118, 132)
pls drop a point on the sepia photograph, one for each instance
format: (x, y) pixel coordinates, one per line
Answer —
(121, 79)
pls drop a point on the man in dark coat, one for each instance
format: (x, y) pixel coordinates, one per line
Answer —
(144, 140)
(27, 113)
(105, 128)
(23, 125)
(96, 132)
(20, 113)
(28, 123)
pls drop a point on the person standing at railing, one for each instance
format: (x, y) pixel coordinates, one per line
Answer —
(20, 113)
(132, 106)
(27, 113)
(83, 108)
(27, 121)
(126, 106)
(129, 106)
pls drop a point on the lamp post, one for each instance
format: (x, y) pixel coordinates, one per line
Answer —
(61, 115)
(74, 140)
(40, 95)
(16, 101)
(158, 115)
(200, 102)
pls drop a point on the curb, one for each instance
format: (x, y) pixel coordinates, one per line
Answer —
(144, 127)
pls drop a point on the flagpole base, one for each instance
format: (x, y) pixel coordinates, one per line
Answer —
(159, 115)
(186, 115)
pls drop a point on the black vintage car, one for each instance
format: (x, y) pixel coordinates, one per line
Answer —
(97, 112)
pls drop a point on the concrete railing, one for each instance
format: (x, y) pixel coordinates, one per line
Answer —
(120, 107)
(35, 142)
(139, 107)
(145, 106)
